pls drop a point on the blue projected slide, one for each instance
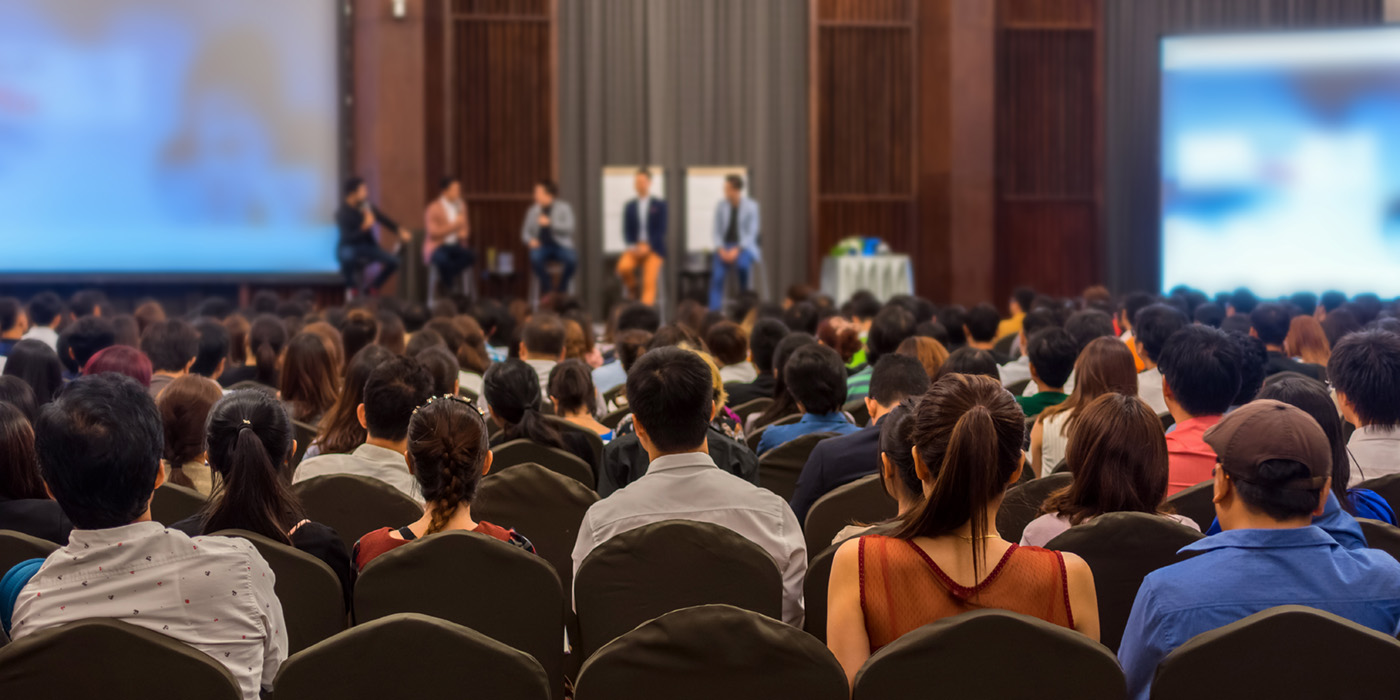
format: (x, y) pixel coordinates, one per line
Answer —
(168, 136)
(1281, 162)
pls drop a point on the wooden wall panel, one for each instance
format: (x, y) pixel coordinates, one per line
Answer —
(849, 11)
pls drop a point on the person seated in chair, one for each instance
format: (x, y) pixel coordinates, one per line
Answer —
(356, 219)
(735, 239)
(891, 326)
(511, 390)
(574, 398)
(172, 346)
(448, 230)
(1052, 354)
(817, 381)
(1200, 369)
(25, 506)
(1365, 371)
(730, 346)
(763, 343)
(1270, 323)
(549, 232)
(897, 471)
(644, 232)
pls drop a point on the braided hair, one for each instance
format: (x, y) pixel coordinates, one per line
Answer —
(447, 446)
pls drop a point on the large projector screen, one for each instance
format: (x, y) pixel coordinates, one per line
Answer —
(168, 137)
(1281, 162)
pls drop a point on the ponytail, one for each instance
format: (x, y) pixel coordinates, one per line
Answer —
(249, 441)
(266, 358)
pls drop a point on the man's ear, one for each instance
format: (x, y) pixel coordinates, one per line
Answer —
(160, 475)
(524, 354)
(1253, 333)
(871, 408)
(1223, 487)
(486, 467)
(1020, 467)
(1167, 390)
(71, 356)
(190, 364)
(219, 370)
(1137, 346)
(360, 414)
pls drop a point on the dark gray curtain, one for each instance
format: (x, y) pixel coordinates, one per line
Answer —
(1132, 90)
(682, 83)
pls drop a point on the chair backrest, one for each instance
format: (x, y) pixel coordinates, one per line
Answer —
(1122, 549)
(814, 591)
(543, 506)
(1023, 501)
(610, 396)
(779, 467)
(713, 651)
(657, 568)
(858, 411)
(16, 547)
(305, 434)
(1018, 388)
(411, 656)
(748, 408)
(1382, 536)
(313, 602)
(594, 440)
(497, 589)
(1284, 652)
(352, 504)
(1387, 487)
(861, 501)
(1003, 345)
(614, 418)
(172, 503)
(105, 658)
(965, 657)
(753, 438)
(523, 451)
(1196, 502)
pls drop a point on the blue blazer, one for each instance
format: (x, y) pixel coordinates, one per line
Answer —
(656, 225)
(749, 224)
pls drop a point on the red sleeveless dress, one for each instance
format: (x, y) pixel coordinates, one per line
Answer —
(902, 589)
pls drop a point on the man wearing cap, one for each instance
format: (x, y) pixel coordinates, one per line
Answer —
(1271, 478)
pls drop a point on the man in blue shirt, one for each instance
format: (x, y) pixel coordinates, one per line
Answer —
(735, 239)
(817, 379)
(1271, 478)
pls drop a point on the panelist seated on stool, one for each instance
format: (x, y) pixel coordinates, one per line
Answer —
(549, 232)
(644, 230)
(445, 248)
(358, 248)
(736, 239)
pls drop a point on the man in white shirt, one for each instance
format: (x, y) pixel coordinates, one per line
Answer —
(393, 392)
(729, 345)
(1151, 327)
(99, 449)
(45, 312)
(542, 347)
(672, 398)
(1365, 370)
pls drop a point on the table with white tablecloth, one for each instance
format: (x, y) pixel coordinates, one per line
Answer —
(883, 275)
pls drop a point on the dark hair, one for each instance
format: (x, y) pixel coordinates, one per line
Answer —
(970, 361)
(265, 301)
(968, 432)
(171, 345)
(673, 335)
(671, 393)
(1365, 367)
(1153, 325)
(1104, 366)
(1311, 396)
(727, 342)
(571, 388)
(1209, 315)
(443, 367)
(1253, 358)
(213, 346)
(897, 443)
(864, 304)
(250, 441)
(784, 403)
(1243, 301)
(360, 329)
(17, 392)
(1267, 490)
(392, 334)
(512, 391)
(266, 338)
(897, 377)
(1052, 353)
(1305, 301)
(237, 327)
(1339, 324)
(9, 313)
(933, 330)
(217, 308)
(99, 447)
(891, 326)
(801, 316)
(981, 322)
(352, 184)
(1118, 456)
(544, 335)
(445, 182)
(414, 315)
(816, 379)
(1239, 323)
(735, 181)
(147, 314)
(340, 429)
(1039, 320)
(87, 336)
(37, 364)
(1331, 300)
(394, 388)
(1270, 323)
(630, 345)
(19, 468)
(447, 446)
(763, 342)
(86, 302)
(449, 330)
(310, 377)
(1088, 325)
(1024, 297)
(549, 186)
(1201, 365)
(471, 354)
(44, 308)
(422, 340)
(127, 330)
(184, 407)
(638, 317)
(1135, 302)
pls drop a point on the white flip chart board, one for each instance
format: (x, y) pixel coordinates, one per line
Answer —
(704, 188)
(618, 189)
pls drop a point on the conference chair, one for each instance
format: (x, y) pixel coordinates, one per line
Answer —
(861, 501)
(615, 417)
(1003, 347)
(748, 408)
(1387, 487)
(595, 441)
(313, 601)
(1018, 388)
(408, 655)
(815, 588)
(1195, 502)
(965, 658)
(1285, 652)
(858, 412)
(172, 503)
(105, 658)
(467, 394)
(1122, 549)
(545, 507)
(1382, 536)
(654, 569)
(753, 438)
(497, 589)
(524, 451)
(713, 651)
(779, 467)
(610, 396)
(353, 505)
(305, 434)
(16, 547)
(1023, 502)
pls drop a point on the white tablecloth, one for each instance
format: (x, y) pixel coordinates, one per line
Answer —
(883, 275)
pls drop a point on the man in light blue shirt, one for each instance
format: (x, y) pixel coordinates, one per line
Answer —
(1271, 478)
(817, 379)
(736, 239)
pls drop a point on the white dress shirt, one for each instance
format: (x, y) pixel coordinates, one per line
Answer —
(1375, 451)
(690, 487)
(214, 594)
(741, 372)
(368, 460)
(43, 334)
(1150, 390)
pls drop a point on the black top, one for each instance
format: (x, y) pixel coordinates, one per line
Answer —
(731, 233)
(834, 462)
(760, 388)
(547, 232)
(313, 538)
(624, 460)
(351, 221)
(1279, 362)
(36, 517)
(574, 442)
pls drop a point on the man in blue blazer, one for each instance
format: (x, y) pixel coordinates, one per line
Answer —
(644, 230)
(735, 241)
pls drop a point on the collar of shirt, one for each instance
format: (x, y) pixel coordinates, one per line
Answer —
(1374, 433)
(1195, 427)
(382, 455)
(684, 460)
(1310, 536)
(823, 418)
(452, 207)
(542, 366)
(81, 539)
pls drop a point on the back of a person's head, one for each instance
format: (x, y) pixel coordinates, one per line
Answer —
(1024, 298)
(393, 390)
(1104, 365)
(981, 322)
(630, 345)
(897, 445)
(99, 446)
(864, 306)
(449, 330)
(171, 345)
(18, 394)
(184, 407)
(1039, 320)
(422, 340)
(763, 342)
(1254, 360)
(1052, 353)
(1209, 315)
(671, 394)
(897, 377)
(443, 367)
(44, 309)
(1311, 396)
(1135, 302)
(1306, 302)
(929, 352)
(19, 468)
(1153, 325)
(392, 333)
(121, 359)
(728, 342)
(1331, 300)
(816, 378)
(935, 331)
(448, 445)
(310, 376)
(250, 441)
(340, 429)
(89, 335)
(1268, 491)
(801, 317)
(511, 388)
(1201, 366)
(1365, 370)
(1270, 323)
(38, 365)
(953, 317)
(147, 314)
(639, 317)
(1118, 455)
(359, 329)
(1243, 301)
(970, 361)
(87, 302)
(891, 326)
(10, 310)
(543, 336)
(571, 388)
(213, 346)
(1088, 325)
(839, 335)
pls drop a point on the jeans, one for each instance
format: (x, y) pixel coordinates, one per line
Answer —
(355, 258)
(451, 261)
(719, 274)
(541, 257)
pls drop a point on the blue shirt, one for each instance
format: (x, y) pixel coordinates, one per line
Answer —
(1241, 572)
(609, 376)
(1340, 524)
(811, 423)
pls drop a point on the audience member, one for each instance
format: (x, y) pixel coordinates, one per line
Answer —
(24, 504)
(212, 356)
(148, 313)
(1271, 478)
(1052, 353)
(422, 340)
(1270, 323)
(817, 381)
(513, 395)
(840, 335)
(310, 379)
(1307, 341)
(184, 410)
(442, 365)
(1208, 315)
(1022, 298)
(122, 359)
(784, 404)
(1151, 327)
(1088, 325)
(542, 345)
(393, 336)
(266, 338)
(730, 347)
(86, 337)
(14, 323)
(472, 357)
(17, 393)
(970, 360)
(1104, 367)
(763, 345)
(929, 352)
(897, 471)
(1365, 372)
(1252, 356)
(45, 314)
(1127, 320)
(340, 429)
(360, 330)
(980, 327)
(891, 326)
(235, 368)
(171, 346)
(1019, 369)
(37, 364)
(1339, 324)
(1201, 376)
(99, 449)
(574, 398)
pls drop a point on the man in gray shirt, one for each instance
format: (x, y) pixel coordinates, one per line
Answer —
(549, 232)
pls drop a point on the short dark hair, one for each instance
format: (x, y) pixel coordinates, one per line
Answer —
(952, 317)
(549, 186)
(891, 326)
(1305, 301)
(638, 316)
(1253, 358)
(1332, 300)
(1088, 325)
(213, 346)
(1270, 322)
(1267, 490)
(88, 335)
(1039, 320)
(967, 360)
(392, 391)
(817, 379)
(1365, 367)
(897, 377)
(735, 181)
(801, 316)
(1201, 365)
(544, 334)
(1052, 353)
(442, 365)
(1209, 315)
(99, 446)
(864, 305)
(1024, 298)
(897, 443)
(86, 302)
(1135, 302)
(352, 183)
(982, 321)
(170, 344)
(9, 313)
(728, 342)
(1243, 301)
(763, 342)
(630, 345)
(445, 182)
(644, 171)
(44, 308)
(1153, 325)
(671, 393)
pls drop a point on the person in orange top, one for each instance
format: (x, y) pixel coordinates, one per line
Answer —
(1200, 377)
(1127, 313)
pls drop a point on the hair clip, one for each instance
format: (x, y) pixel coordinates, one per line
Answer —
(247, 422)
(451, 397)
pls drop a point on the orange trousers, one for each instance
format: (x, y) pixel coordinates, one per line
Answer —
(650, 266)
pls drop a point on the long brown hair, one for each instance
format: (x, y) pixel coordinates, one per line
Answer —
(310, 377)
(472, 356)
(1307, 340)
(1105, 365)
(19, 465)
(1118, 456)
(967, 431)
(340, 428)
(447, 447)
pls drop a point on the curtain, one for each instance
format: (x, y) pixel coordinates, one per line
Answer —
(1132, 90)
